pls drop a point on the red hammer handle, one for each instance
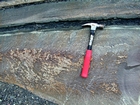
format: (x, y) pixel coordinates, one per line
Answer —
(86, 64)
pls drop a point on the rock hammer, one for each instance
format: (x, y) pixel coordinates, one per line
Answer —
(88, 54)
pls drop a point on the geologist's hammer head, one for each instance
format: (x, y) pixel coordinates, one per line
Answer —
(94, 25)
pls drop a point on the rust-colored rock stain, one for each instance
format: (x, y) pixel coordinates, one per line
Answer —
(0, 57)
(35, 69)
(110, 87)
(57, 74)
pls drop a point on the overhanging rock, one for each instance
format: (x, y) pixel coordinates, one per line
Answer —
(48, 63)
(69, 10)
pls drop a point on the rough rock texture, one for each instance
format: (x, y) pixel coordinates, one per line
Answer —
(11, 94)
(49, 63)
(129, 76)
(70, 10)
(4, 3)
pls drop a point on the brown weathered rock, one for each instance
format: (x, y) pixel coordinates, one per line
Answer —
(49, 63)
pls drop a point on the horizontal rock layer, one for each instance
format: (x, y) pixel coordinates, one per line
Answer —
(68, 11)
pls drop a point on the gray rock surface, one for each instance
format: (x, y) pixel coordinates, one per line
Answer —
(14, 95)
(129, 84)
(49, 63)
(134, 57)
(70, 10)
(129, 76)
(5, 3)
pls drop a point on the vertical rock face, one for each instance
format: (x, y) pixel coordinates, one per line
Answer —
(49, 63)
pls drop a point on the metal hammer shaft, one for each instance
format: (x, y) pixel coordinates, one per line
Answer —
(88, 54)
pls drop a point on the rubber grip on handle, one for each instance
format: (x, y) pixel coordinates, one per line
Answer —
(86, 64)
